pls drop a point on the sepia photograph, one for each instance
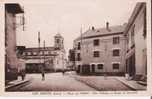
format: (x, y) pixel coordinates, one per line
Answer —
(75, 45)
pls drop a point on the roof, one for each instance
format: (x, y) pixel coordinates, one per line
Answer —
(136, 11)
(58, 35)
(102, 31)
(13, 8)
(41, 48)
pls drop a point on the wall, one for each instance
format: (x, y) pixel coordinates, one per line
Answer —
(11, 39)
(140, 43)
(60, 62)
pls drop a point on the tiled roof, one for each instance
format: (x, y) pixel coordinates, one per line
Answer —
(102, 31)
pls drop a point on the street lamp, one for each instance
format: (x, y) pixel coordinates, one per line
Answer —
(39, 51)
(81, 67)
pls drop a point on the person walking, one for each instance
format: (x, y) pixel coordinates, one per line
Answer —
(43, 74)
(21, 67)
(23, 74)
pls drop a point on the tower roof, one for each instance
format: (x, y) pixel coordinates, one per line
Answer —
(58, 35)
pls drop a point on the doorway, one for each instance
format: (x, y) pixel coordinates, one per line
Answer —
(93, 68)
(131, 65)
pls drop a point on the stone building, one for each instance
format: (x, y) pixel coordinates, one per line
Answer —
(11, 60)
(101, 51)
(135, 33)
(51, 58)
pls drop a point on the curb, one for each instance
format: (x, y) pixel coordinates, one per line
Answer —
(11, 86)
(142, 83)
(98, 89)
(126, 84)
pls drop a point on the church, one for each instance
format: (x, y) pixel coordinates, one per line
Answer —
(51, 58)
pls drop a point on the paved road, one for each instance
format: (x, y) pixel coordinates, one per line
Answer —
(102, 83)
(67, 82)
(52, 82)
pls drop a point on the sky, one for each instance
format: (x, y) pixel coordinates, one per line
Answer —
(67, 17)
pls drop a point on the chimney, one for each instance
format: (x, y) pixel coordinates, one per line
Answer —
(107, 26)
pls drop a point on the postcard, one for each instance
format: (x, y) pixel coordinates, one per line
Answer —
(75, 47)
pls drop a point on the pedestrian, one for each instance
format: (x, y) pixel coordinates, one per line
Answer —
(23, 74)
(43, 74)
(21, 67)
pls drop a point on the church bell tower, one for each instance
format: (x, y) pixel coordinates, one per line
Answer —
(59, 42)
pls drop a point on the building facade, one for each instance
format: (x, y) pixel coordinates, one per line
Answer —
(100, 51)
(49, 58)
(71, 59)
(135, 33)
(11, 60)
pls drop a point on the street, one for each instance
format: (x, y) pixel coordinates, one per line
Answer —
(53, 82)
(60, 82)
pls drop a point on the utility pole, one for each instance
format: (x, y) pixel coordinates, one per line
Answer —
(81, 67)
(63, 63)
(23, 20)
(39, 49)
(44, 53)
(39, 41)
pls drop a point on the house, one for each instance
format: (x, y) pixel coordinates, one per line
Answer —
(136, 49)
(11, 60)
(101, 51)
